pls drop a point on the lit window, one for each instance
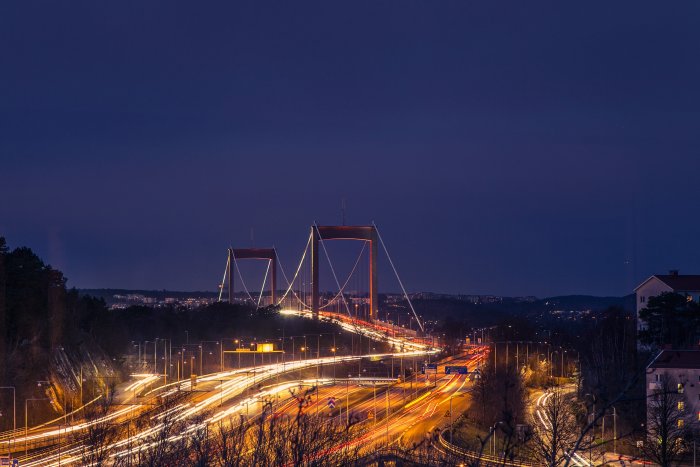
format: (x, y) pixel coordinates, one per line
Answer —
(681, 405)
(680, 388)
(698, 416)
(680, 423)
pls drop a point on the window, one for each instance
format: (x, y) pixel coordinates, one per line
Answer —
(642, 299)
(656, 377)
(698, 416)
(681, 405)
(680, 423)
(680, 388)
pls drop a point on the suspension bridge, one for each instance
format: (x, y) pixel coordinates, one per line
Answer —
(303, 293)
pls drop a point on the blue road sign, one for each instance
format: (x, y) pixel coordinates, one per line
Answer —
(431, 366)
(459, 370)
(331, 402)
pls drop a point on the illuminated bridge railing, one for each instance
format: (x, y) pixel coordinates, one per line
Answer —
(484, 458)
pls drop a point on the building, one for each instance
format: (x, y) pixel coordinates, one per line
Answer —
(680, 369)
(686, 285)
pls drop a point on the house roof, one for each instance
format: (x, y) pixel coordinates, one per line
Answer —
(677, 282)
(677, 359)
(686, 282)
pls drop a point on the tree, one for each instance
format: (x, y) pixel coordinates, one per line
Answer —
(609, 362)
(164, 443)
(100, 433)
(555, 434)
(669, 423)
(498, 397)
(670, 319)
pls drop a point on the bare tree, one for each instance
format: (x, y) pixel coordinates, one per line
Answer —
(95, 444)
(669, 423)
(555, 435)
(163, 443)
(302, 439)
(201, 444)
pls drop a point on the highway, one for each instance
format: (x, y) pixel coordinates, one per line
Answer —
(414, 407)
(223, 394)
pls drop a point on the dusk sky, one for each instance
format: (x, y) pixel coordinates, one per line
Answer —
(514, 148)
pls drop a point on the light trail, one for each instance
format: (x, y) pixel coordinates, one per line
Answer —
(232, 383)
(576, 458)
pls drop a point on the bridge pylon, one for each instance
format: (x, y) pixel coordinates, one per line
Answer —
(344, 232)
(234, 254)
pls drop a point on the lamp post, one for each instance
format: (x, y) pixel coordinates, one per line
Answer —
(26, 419)
(238, 348)
(591, 420)
(387, 415)
(14, 415)
(333, 350)
(493, 437)
(374, 410)
(347, 401)
(138, 344)
(209, 342)
(451, 419)
(65, 426)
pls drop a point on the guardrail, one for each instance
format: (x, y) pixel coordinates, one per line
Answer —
(484, 458)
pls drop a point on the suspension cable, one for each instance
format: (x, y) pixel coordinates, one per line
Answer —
(296, 274)
(364, 245)
(323, 245)
(223, 280)
(235, 264)
(397, 277)
(262, 289)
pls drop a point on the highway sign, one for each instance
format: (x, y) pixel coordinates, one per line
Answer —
(331, 402)
(459, 370)
(431, 366)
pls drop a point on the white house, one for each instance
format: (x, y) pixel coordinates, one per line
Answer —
(686, 285)
(682, 368)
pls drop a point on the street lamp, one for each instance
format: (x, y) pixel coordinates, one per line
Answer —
(26, 418)
(14, 415)
(333, 349)
(347, 401)
(493, 436)
(451, 419)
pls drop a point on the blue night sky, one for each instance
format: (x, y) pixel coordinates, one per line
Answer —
(513, 147)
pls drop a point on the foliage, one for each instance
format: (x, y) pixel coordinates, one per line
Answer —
(498, 398)
(670, 319)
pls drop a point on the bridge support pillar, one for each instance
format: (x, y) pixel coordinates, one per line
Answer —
(230, 271)
(338, 232)
(314, 272)
(253, 253)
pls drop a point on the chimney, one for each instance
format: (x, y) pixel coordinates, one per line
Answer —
(673, 272)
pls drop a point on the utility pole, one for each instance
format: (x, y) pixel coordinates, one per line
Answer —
(387, 415)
